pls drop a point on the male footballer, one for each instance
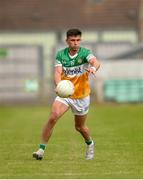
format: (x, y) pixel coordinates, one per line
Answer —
(73, 63)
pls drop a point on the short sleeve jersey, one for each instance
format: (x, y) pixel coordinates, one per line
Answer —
(74, 69)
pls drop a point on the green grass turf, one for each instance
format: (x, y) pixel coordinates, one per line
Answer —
(117, 129)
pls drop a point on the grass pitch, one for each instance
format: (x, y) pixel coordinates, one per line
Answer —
(117, 129)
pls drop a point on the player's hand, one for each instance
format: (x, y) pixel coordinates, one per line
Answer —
(91, 70)
(56, 90)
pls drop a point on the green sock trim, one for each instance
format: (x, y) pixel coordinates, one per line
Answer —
(42, 146)
(88, 142)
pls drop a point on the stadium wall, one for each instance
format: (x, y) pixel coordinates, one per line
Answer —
(103, 43)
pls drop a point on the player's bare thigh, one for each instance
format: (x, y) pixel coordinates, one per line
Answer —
(59, 108)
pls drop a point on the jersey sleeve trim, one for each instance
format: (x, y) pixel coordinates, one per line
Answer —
(58, 64)
(89, 57)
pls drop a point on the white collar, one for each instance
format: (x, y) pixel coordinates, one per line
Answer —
(73, 55)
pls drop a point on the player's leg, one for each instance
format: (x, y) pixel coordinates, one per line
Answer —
(81, 127)
(58, 109)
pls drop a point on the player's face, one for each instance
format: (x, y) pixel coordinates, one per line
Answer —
(74, 42)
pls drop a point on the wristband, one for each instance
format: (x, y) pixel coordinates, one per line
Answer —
(94, 68)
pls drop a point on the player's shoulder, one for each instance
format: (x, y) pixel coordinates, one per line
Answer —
(84, 50)
(62, 51)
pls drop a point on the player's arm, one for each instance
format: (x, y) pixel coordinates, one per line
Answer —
(94, 65)
(57, 74)
(58, 69)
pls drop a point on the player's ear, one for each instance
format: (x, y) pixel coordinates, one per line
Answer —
(67, 41)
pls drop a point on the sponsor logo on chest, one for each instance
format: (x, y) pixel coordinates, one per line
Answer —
(72, 71)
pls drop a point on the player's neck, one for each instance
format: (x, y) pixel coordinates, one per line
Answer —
(73, 52)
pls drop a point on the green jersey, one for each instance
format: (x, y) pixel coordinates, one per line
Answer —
(74, 69)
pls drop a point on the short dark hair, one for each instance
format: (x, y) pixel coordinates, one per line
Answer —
(74, 32)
